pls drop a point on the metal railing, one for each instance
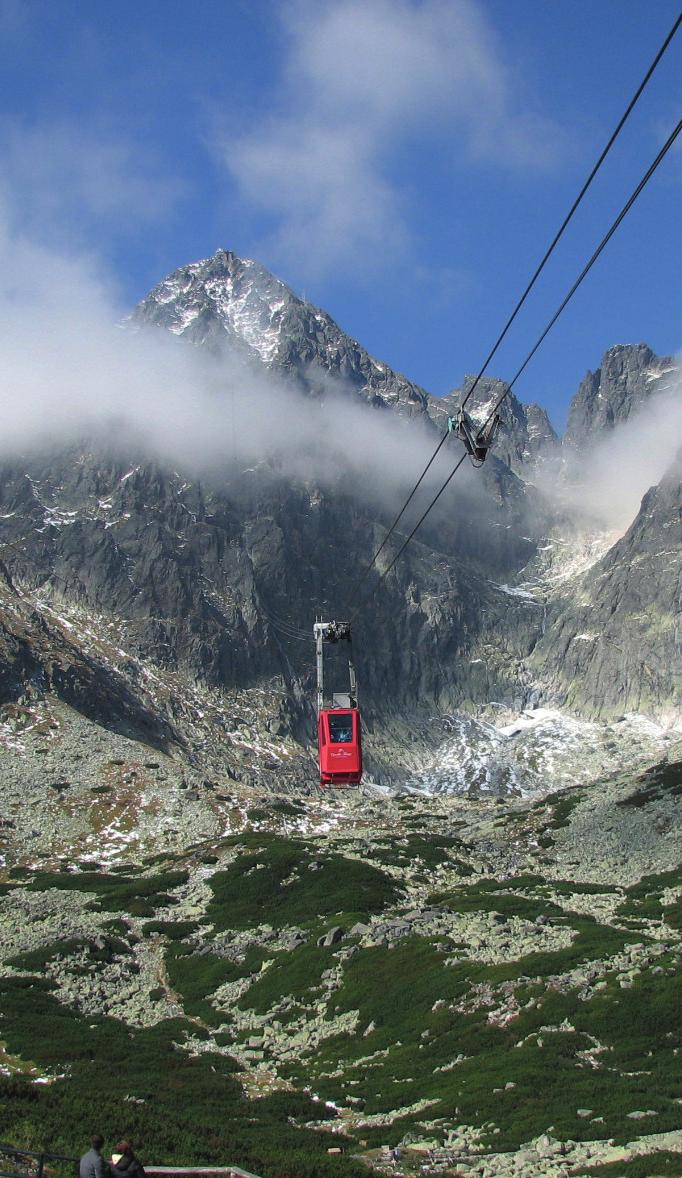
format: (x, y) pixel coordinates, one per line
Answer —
(207, 1171)
(25, 1163)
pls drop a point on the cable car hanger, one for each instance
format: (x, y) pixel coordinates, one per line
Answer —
(564, 303)
(338, 726)
(477, 439)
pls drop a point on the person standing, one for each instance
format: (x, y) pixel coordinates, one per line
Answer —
(92, 1164)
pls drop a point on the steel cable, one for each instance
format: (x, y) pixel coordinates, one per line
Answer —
(583, 274)
(549, 251)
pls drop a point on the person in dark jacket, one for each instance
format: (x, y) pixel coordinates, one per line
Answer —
(92, 1164)
(124, 1164)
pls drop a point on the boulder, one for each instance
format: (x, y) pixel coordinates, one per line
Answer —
(332, 937)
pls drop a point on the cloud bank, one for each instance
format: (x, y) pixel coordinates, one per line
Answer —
(69, 371)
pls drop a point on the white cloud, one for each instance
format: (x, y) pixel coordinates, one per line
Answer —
(323, 186)
(73, 182)
(607, 482)
(68, 372)
(361, 83)
(391, 60)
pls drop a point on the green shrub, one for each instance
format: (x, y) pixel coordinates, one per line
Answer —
(642, 1167)
(252, 890)
(431, 850)
(197, 976)
(182, 1109)
(643, 900)
(664, 780)
(295, 973)
(139, 896)
(37, 959)
(562, 810)
(175, 930)
(288, 808)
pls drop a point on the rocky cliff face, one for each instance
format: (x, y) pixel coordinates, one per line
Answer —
(617, 645)
(628, 377)
(219, 584)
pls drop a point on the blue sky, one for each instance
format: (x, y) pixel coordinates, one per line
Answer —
(402, 163)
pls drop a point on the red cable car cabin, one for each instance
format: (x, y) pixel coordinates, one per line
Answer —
(340, 744)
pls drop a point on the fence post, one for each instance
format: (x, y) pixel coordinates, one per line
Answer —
(41, 1165)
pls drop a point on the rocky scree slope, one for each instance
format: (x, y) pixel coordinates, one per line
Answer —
(538, 1035)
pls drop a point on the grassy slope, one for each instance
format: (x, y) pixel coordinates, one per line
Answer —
(609, 1047)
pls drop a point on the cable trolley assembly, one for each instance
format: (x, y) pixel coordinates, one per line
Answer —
(476, 438)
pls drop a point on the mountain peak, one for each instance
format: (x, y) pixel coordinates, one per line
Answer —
(222, 297)
(527, 436)
(225, 300)
(628, 376)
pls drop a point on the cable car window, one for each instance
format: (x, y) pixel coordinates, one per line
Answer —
(341, 728)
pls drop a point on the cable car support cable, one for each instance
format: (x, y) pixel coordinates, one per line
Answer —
(540, 267)
(583, 274)
(339, 727)
(624, 117)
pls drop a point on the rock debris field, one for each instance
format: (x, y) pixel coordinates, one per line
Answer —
(491, 985)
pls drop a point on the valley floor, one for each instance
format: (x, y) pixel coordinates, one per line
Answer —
(224, 974)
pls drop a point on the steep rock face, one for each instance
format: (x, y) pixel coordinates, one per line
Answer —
(219, 581)
(617, 646)
(224, 301)
(628, 376)
(39, 654)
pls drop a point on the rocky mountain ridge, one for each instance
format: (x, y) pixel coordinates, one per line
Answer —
(224, 301)
(628, 377)
(213, 579)
(618, 642)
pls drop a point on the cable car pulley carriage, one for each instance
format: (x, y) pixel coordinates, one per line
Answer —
(338, 727)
